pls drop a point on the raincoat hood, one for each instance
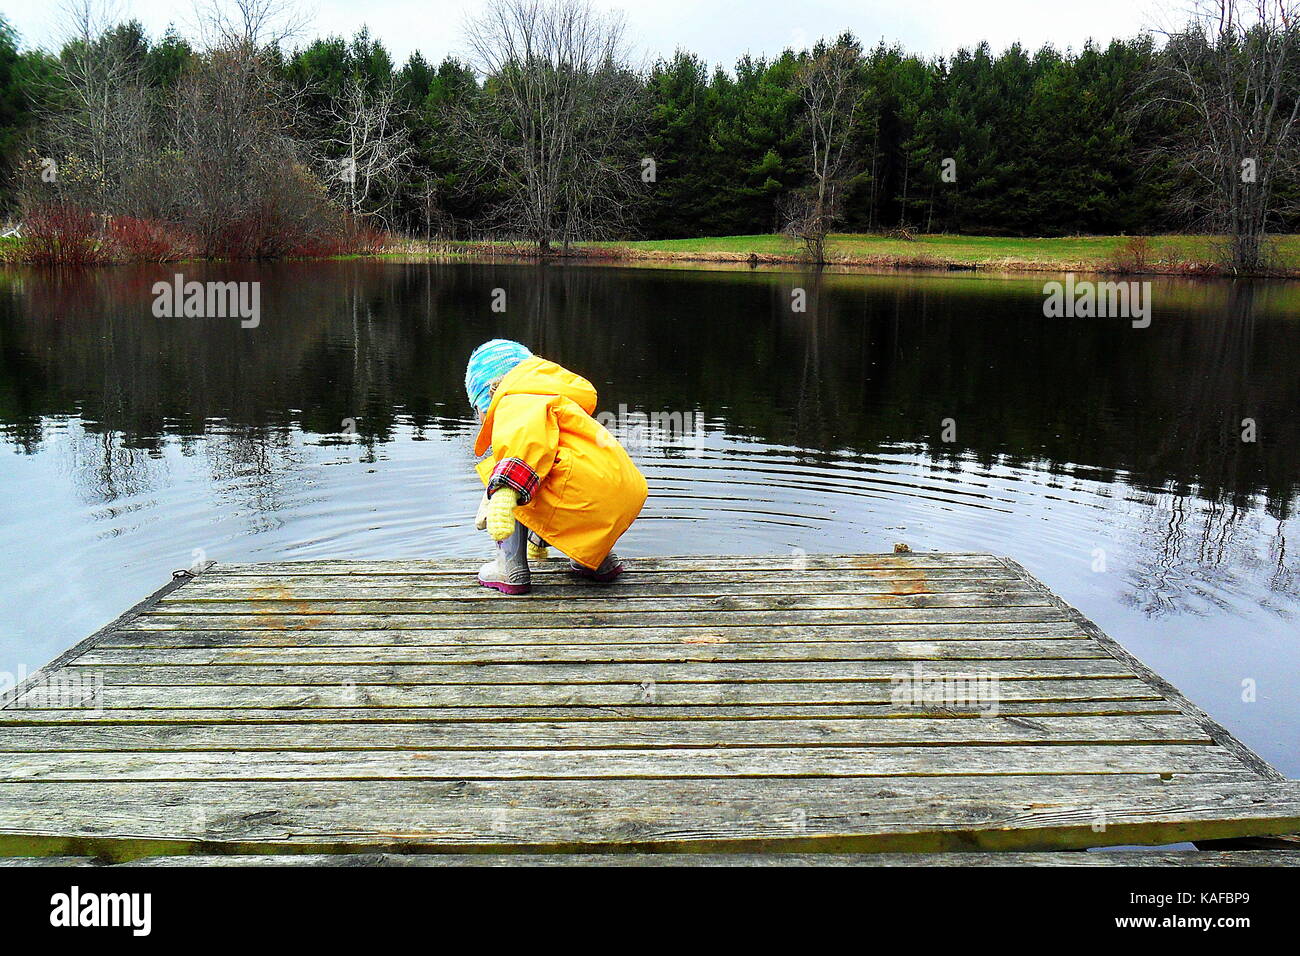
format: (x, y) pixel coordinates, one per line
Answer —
(536, 376)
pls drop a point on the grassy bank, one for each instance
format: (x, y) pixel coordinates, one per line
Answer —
(1156, 255)
(1174, 254)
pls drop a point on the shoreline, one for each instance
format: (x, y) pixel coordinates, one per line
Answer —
(1177, 256)
(1172, 256)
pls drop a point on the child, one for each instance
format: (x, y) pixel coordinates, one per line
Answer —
(555, 475)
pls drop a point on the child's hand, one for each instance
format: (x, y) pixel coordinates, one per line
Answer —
(501, 513)
(480, 516)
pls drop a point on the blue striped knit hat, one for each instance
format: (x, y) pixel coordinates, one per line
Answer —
(490, 361)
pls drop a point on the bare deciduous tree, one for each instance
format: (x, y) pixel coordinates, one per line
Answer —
(376, 147)
(556, 118)
(827, 83)
(255, 23)
(100, 108)
(243, 176)
(1232, 72)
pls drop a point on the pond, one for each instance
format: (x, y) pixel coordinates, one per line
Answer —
(947, 412)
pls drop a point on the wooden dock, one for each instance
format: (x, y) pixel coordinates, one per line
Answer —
(902, 703)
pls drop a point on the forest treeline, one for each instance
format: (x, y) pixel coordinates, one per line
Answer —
(1017, 142)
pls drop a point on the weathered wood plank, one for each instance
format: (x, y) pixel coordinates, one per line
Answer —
(344, 716)
(721, 633)
(703, 564)
(311, 818)
(302, 589)
(538, 604)
(527, 620)
(80, 804)
(560, 695)
(617, 672)
(1026, 649)
(557, 568)
(955, 760)
(532, 735)
(553, 577)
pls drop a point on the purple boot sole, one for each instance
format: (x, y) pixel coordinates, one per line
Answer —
(512, 589)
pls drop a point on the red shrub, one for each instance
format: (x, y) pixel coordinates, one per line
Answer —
(61, 234)
(148, 240)
(67, 234)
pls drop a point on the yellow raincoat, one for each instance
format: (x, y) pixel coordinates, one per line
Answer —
(579, 489)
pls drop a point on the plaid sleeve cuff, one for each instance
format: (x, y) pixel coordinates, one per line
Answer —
(516, 474)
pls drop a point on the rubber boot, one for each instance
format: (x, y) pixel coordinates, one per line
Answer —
(609, 569)
(508, 572)
(537, 548)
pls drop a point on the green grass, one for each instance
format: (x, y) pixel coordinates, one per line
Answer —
(1074, 252)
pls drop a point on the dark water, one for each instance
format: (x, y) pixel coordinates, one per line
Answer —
(339, 428)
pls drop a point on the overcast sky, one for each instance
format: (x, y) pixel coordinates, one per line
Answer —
(718, 30)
